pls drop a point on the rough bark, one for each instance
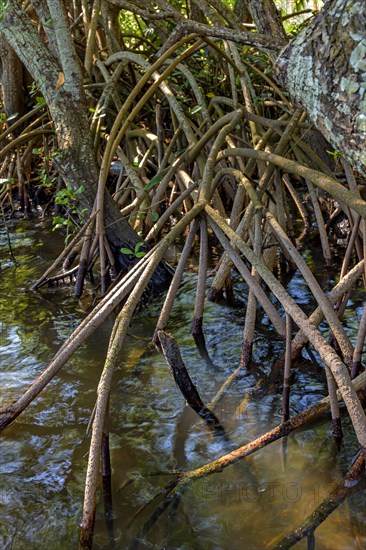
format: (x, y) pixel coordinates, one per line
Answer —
(324, 69)
(266, 18)
(242, 12)
(11, 77)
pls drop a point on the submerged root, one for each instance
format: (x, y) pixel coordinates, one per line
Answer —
(181, 483)
(353, 481)
(230, 184)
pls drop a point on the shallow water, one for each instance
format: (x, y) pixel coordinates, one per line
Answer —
(250, 504)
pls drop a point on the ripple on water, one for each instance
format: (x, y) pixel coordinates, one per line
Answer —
(44, 453)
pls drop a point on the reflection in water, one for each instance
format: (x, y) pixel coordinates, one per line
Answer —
(152, 432)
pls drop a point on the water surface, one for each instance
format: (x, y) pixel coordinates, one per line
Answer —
(44, 453)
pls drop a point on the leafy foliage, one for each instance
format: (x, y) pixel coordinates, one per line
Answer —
(3, 7)
(136, 252)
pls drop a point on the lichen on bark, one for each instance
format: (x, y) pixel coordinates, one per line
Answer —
(324, 69)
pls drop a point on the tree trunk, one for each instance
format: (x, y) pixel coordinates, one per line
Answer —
(11, 77)
(63, 91)
(324, 69)
(266, 18)
(242, 12)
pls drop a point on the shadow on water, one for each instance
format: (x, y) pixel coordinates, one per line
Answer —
(152, 432)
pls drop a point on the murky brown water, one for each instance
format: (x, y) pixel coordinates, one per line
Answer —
(249, 505)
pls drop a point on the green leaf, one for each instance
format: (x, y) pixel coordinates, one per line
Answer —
(335, 154)
(140, 254)
(126, 251)
(196, 109)
(62, 200)
(3, 8)
(58, 220)
(154, 216)
(155, 180)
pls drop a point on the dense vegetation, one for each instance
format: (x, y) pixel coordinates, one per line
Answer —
(138, 126)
